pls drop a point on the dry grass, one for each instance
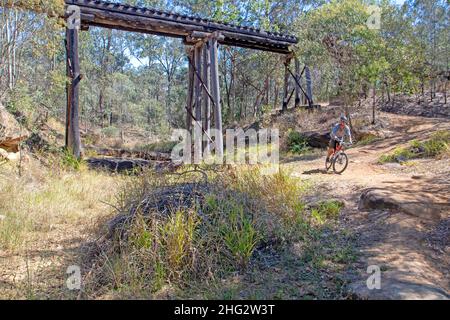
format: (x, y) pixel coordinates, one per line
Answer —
(42, 199)
(46, 215)
(190, 249)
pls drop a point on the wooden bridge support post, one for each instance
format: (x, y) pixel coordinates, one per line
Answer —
(286, 83)
(198, 133)
(206, 100)
(297, 87)
(190, 93)
(73, 141)
(215, 86)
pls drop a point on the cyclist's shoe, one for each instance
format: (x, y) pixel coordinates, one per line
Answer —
(328, 159)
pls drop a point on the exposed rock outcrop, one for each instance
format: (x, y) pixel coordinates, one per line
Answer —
(11, 133)
(317, 139)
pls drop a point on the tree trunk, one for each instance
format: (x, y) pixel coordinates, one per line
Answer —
(374, 102)
(388, 91)
(445, 92)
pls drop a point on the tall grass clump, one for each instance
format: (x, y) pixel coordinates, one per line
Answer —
(174, 232)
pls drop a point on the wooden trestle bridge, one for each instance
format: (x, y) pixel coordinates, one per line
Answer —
(202, 38)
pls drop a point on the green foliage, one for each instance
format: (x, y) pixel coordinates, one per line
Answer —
(326, 210)
(144, 85)
(368, 139)
(296, 142)
(238, 232)
(68, 161)
(438, 145)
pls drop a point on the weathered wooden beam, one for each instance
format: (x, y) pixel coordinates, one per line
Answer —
(286, 83)
(215, 86)
(190, 92)
(73, 141)
(206, 101)
(198, 132)
(297, 81)
(297, 87)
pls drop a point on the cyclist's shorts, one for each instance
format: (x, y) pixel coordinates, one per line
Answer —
(333, 144)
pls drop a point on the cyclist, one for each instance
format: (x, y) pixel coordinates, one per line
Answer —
(338, 134)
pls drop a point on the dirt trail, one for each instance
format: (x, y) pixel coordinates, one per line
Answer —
(408, 238)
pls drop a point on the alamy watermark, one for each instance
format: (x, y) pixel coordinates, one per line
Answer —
(241, 147)
(73, 14)
(374, 20)
(374, 280)
(73, 281)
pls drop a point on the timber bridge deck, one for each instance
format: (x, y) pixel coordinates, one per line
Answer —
(151, 21)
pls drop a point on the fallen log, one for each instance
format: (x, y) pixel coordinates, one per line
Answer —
(126, 153)
(120, 165)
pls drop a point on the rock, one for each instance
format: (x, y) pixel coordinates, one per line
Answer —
(394, 289)
(414, 204)
(3, 154)
(14, 156)
(401, 159)
(11, 133)
(317, 139)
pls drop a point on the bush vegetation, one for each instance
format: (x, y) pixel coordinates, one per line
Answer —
(437, 146)
(297, 143)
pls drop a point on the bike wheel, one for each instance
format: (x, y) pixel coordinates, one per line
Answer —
(340, 163)
(328, 164)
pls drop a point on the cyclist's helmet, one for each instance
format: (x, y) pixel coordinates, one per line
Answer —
(344, 119)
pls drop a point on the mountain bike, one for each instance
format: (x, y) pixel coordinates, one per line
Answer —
(339, 159)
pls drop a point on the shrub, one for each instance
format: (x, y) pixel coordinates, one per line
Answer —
(110, 132)
(326, 210)
(296, 142)
(438, 145)
(368, 139)
(68, 161)
(236, 229)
